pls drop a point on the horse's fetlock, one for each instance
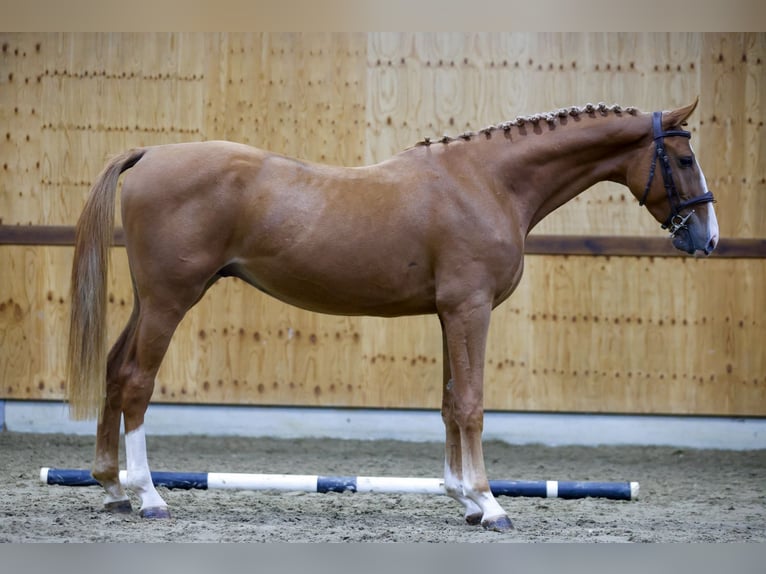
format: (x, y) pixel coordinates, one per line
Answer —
(103, 476)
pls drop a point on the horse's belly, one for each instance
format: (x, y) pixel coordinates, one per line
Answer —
(342, 288)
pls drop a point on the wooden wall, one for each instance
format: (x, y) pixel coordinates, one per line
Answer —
(582, 333)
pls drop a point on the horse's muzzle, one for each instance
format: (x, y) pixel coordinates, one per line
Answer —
(692, 241)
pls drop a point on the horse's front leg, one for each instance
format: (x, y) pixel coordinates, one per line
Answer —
(453, 457)
(465, 326)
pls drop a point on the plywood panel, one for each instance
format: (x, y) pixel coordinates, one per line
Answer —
(89, 101)
(34, 313)
(297, 94)
(70, 100)
(584, 334)
(436, 84)
(20, 113)
(617, 331)
(734, 145)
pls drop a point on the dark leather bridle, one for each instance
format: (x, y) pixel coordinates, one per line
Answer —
(676, 220)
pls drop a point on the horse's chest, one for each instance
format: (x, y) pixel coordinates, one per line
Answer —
(510, 279)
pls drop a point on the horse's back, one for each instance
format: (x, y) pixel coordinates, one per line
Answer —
(366, 240)
(333, 239)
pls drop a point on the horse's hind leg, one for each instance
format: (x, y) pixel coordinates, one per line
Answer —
(106, 463)
(155, 327)
(131, 368)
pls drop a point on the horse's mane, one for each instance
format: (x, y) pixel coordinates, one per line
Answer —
(551, 118)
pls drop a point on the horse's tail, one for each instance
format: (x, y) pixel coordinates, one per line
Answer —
(86, 357)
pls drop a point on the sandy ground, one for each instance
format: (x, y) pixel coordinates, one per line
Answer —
(686, 495)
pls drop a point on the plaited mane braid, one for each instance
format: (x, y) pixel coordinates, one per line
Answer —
(549, 117)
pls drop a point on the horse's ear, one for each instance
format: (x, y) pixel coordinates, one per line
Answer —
(677, 117)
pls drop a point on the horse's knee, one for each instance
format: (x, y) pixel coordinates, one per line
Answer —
(469, 419)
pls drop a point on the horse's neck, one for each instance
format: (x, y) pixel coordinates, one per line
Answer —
(547, 169)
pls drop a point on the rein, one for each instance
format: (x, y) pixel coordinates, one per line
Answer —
(676, 220)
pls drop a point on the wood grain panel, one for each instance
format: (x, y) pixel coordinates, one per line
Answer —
(20, 113)
(733, 133)
(34, 313)
(74, 99)
(617, 334)
(296, 94)
(435, 84)
(614, 331)
(582, 334)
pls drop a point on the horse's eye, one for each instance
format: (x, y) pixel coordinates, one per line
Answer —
(686, 161)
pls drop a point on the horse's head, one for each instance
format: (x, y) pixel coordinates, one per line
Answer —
(669, 181)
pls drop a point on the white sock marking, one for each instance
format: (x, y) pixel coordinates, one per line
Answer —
(139, 476)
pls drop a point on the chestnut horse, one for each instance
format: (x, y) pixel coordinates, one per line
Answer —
(438, 228)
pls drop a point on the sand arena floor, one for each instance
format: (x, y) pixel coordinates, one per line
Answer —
(686, 495)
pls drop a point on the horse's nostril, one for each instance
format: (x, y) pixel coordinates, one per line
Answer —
(711, 245)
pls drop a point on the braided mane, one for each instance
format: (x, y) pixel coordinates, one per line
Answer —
(549, 117)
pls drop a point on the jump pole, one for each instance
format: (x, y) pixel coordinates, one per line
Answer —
(370, 484)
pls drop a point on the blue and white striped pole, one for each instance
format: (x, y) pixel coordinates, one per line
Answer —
(381, 484)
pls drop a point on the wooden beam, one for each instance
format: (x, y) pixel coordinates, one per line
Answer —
(50, 235)
(730, 248)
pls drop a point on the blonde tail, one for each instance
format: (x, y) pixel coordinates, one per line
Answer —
(87, 352)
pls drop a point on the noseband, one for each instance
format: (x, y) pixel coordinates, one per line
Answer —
(676, 220)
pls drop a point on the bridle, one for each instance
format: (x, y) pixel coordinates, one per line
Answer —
(676, 221)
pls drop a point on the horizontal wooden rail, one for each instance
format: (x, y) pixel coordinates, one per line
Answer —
(536, 244)
(45, 235)
(731, 248)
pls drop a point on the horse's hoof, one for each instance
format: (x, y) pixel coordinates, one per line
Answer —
(473, 519)
(119, 507)
(155, 512)
(499, 524)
